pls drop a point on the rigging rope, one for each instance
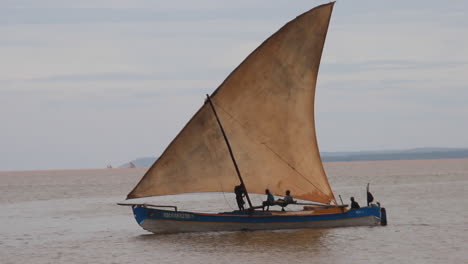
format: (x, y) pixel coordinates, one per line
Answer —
(228, 202)
(222, 190)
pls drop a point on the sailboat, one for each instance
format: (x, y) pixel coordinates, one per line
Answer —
(256, 129)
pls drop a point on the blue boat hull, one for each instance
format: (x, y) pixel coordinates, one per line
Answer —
(165, 221)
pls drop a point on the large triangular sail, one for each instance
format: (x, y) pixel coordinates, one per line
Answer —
(266, 106)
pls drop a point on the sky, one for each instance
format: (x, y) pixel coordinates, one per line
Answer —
(88, 83)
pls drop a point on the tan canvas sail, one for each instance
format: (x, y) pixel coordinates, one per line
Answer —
(266, 107)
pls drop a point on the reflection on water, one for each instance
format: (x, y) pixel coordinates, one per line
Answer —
(237, 247)
(278, 240)
(71, 217)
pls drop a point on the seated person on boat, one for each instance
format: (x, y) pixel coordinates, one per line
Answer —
(354, 204)
(288, 199)
(270, 200)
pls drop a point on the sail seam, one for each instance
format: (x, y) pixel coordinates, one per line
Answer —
(271, 150)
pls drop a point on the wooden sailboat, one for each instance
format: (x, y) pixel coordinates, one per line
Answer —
(258, 129)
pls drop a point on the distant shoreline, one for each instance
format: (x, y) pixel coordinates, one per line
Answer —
(143, 169)
(408, 160)
(71, 170)
(421, 154)
(416, 154)
(378, 155)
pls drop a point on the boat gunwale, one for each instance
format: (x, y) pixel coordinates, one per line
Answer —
(266, 215)
(262, 223)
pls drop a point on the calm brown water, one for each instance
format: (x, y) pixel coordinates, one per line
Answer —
(71, 217)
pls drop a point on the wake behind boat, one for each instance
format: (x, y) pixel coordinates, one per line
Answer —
(257, 131)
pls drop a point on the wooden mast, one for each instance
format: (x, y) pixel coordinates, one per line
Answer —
(230, 150)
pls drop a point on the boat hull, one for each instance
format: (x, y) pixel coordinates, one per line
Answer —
(164, 221)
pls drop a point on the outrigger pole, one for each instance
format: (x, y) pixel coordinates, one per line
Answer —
(230, 150)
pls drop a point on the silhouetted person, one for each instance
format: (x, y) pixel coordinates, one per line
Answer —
(288, 199)
(354, 204)
(270, 200)
(240, 191)
(370, 198)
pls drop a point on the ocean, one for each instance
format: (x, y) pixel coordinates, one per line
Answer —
(71, 216)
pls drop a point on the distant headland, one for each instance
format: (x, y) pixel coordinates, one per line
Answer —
(374, 155)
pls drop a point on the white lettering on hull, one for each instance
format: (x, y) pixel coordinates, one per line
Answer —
(177, 215)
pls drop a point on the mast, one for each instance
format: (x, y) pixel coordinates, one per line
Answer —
(230, 150)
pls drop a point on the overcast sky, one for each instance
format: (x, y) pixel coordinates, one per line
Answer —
(92, 82)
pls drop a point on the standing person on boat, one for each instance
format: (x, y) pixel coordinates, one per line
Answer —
(270, 200)
(239, 190)
(354, 204)
(370, 197)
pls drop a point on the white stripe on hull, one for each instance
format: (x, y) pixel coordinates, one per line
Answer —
(171, 226)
